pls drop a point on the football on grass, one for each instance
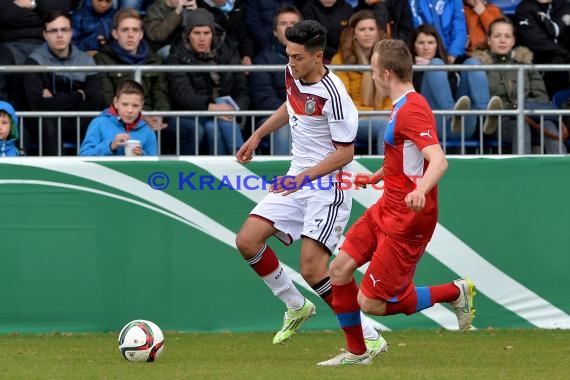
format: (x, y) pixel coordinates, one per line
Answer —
(141, 341)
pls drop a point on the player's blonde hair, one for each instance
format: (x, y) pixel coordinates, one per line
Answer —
(394, 55)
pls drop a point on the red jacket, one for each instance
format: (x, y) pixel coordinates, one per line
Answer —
(478, 26)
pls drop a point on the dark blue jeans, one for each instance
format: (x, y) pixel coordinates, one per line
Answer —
(437, 91)
(190, 136)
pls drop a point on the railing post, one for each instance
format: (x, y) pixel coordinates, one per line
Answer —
(138, 75)
(520, 110)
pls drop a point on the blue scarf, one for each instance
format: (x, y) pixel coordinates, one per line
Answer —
(138, 58)
(226, 8)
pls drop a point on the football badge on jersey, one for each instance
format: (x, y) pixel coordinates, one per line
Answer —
(310, 106)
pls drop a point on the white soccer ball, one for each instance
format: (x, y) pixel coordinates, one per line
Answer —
(141, 341)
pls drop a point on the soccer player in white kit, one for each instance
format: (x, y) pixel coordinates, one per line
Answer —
(306, 203)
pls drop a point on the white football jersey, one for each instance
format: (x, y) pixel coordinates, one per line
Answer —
(320, 114)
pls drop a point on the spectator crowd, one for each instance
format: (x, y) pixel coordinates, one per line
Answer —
(91, 33)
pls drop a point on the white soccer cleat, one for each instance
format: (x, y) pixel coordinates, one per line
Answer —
(463, 305)
(347, 358)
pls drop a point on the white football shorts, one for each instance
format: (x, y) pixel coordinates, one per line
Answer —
(320, 214)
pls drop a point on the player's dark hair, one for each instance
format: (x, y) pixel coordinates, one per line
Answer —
(309, 33)
(394, 55)
(286, 9)
(53, 15)
(129, 87)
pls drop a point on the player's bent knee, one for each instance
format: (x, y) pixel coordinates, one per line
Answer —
(368, 306)
(340, 274)
(246, 245)
(365, 306)
(342, 268)
(314, 272)
(241, 243)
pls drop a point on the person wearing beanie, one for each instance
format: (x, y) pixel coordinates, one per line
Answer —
(198, 17)
(204, 43)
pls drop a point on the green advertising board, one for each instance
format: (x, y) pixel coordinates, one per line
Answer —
(90, 244)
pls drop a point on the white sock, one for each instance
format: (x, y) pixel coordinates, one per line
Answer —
(368, 331)
(282, 286)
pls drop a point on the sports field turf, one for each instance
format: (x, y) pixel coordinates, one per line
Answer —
(413, 354)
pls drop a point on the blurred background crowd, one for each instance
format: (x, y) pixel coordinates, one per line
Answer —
(252, 32)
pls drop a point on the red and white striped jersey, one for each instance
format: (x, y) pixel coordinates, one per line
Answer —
(320, 114)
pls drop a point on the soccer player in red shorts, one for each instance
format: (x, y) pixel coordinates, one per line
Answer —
(392, 234)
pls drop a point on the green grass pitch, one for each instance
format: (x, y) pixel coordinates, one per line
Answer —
(413, 354)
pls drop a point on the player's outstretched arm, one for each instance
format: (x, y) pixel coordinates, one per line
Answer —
(437, 166)
(273, 123)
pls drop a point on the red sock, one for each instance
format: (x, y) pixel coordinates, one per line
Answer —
(347, 310)
(444, 293)
(264, 262)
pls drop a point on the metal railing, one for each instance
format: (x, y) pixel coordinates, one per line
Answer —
(137, 71)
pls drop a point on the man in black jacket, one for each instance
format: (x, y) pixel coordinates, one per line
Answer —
(22, 22)
(6, 58)
(543, 26)
(203, 43)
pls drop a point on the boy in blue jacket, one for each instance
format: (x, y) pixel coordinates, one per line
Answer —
(8, 130)
(108, 132)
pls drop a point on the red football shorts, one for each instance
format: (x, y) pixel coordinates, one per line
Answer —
(389, 276)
